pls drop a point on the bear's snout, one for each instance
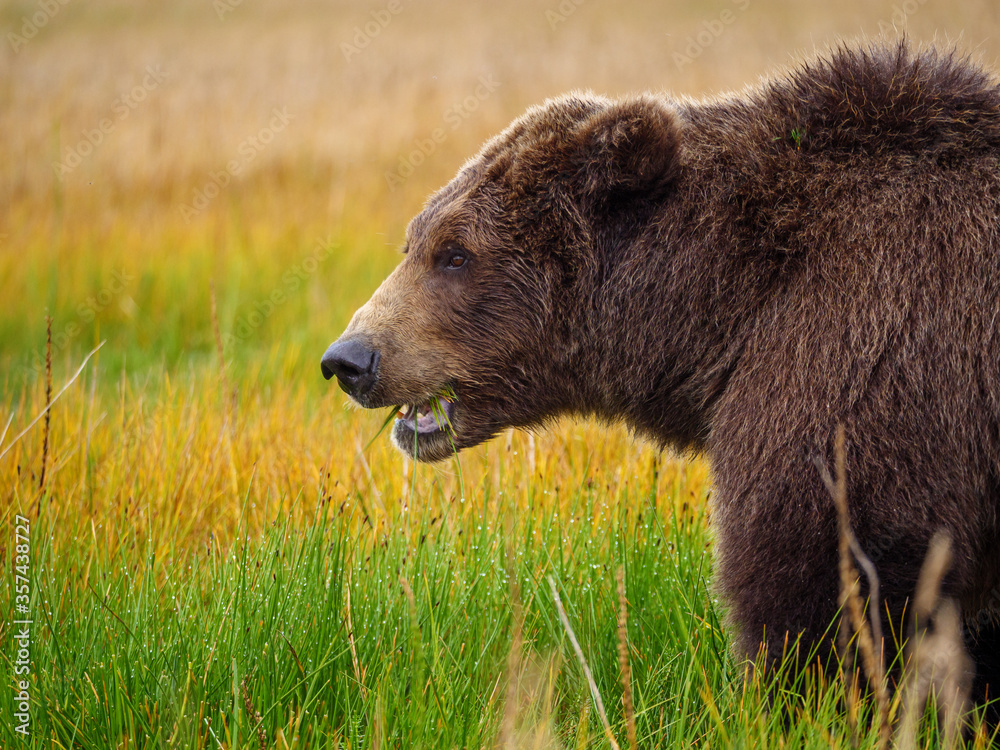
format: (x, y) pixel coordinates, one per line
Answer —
(354, 363)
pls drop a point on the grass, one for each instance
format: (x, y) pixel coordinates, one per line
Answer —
(188, 575)
(221, 555)
(345, 635)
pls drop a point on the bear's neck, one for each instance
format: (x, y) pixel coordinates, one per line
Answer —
(676, 304)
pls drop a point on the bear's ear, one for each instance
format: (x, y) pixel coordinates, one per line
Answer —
(627, 147)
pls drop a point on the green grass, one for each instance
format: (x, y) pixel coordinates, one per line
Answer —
(151, 647)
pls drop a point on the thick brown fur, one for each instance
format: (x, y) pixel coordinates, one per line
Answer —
(738, 276)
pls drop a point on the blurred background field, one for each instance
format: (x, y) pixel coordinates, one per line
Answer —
(156, 154)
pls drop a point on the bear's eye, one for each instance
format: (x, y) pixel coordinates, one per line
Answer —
(456, 259)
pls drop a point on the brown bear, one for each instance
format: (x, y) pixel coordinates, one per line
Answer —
(737, 276)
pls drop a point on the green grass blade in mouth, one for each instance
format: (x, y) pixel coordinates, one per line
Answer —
(441, 414)
(415, 440)
(389, 418)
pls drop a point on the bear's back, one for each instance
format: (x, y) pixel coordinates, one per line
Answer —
(892, 100)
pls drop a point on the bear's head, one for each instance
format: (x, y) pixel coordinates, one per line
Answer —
(484, 324)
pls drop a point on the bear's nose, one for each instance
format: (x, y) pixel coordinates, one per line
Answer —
(354, 364)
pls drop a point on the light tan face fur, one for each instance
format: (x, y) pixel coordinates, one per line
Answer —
(402, 322)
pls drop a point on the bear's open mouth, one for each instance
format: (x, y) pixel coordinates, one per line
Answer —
(434, 415)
